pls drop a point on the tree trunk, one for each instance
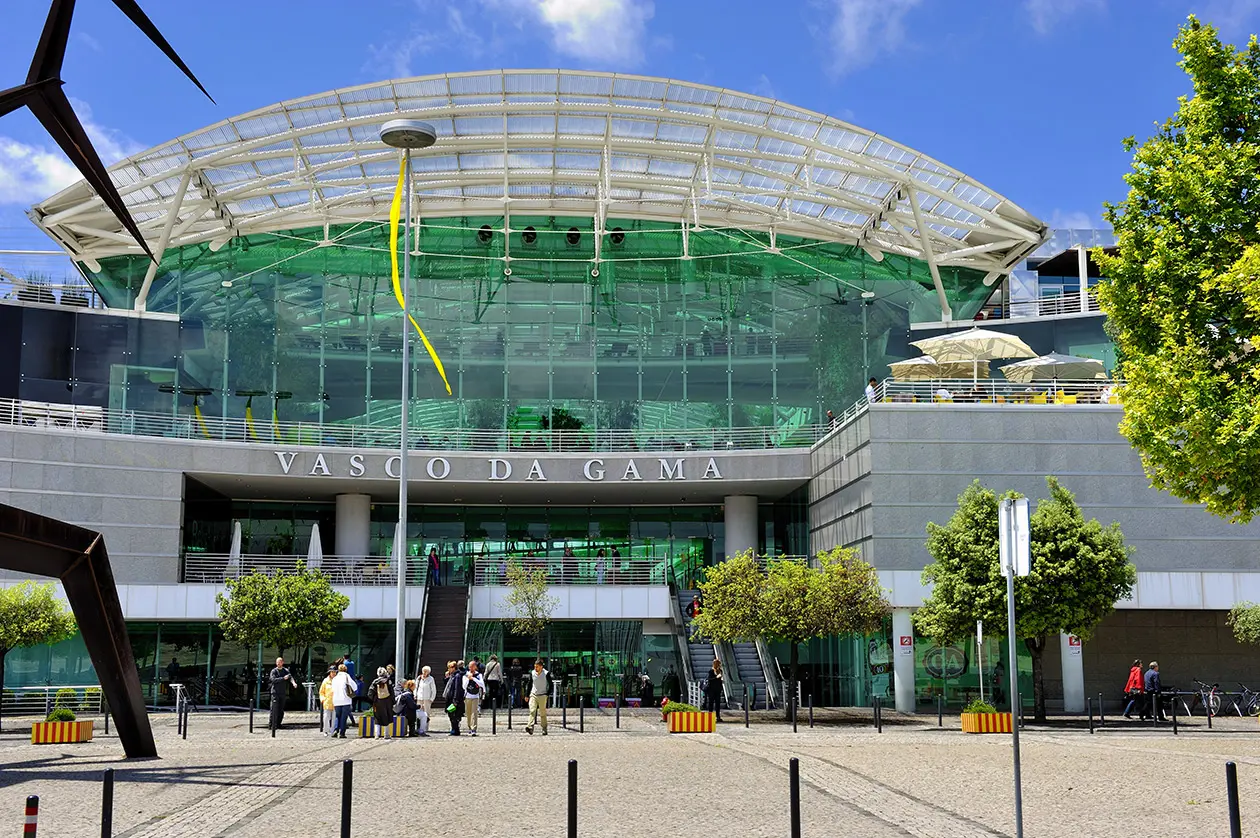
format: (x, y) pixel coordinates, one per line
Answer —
(3, 654)
(793, 665)
(1037, 646)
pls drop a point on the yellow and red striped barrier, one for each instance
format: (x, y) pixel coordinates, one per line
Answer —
(986, 722)
(58, 733)
(689, 722)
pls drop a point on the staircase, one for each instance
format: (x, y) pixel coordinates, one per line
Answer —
(748, 665)
(701, 654)
(444, 622)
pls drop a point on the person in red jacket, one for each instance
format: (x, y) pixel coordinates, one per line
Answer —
(1133, 688)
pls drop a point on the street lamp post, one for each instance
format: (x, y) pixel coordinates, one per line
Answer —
(405, 134)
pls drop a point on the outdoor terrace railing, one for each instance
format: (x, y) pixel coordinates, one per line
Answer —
(998, 391)
(576, 571)
(91, 419)
(342, 570)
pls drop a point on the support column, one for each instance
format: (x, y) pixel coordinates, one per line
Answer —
(1082, 265)
(353, 535)
(741, 524)
(1073, 666)
(903, 660)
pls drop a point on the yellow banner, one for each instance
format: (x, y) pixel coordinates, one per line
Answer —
(395, 212)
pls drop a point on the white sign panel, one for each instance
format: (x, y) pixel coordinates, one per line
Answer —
(1014, 536)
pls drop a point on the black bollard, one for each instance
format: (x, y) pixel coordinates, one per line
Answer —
(564, 710)
(794, 795)
(107, 804)
(494, 719)
(1208, 708)
(811, 708)
(251, 717)
(1175, 717)
(618, 709)
(105, 710)
(573, 798)
(32, 816)
(347, 795)
(186, 714)
(792, 703)
(1101, 720)
(581, 714)
(1089, 708)
(940, 711)
(510, 702)
(745, 705)
(1231, 792)
(879, 715)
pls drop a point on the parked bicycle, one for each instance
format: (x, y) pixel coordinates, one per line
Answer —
(1209, 695)
(1248, 701)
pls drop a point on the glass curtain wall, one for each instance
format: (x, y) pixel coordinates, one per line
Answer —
(664, 328)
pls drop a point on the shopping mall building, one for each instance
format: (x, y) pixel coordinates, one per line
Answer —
(646, 296)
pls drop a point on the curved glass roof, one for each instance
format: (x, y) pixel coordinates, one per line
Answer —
(539, 142)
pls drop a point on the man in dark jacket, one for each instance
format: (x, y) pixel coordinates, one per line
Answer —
(1151, 685)
(279, 681)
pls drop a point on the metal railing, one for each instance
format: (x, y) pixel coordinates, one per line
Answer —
(40, 701)
(92, 419)
(570, 570)
(74, 294)
(341, 570)
(998, 391)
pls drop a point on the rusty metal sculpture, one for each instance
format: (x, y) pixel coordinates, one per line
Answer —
(39, 546)
(42, 93)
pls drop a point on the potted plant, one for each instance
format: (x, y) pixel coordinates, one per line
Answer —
(981, 717)
(686, 718)
(60, 728)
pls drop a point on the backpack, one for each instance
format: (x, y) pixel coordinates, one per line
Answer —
(382, 689)
(473, 688)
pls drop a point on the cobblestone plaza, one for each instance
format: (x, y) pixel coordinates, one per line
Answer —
(913, 779)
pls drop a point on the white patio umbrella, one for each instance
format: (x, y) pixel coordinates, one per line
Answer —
(974, 346)
(233, 568)
(927, 368)
(1053, 365)
(315, 553)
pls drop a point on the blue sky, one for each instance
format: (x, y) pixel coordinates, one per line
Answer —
(1031, 97)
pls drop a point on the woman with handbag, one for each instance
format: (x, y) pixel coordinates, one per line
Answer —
(426, 692)
(343, 693)
(1133, 688)
(453, 696)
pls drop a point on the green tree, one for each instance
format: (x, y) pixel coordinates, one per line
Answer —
(1080, 569)
(791, 601)
(286, 610)
(1244, 619)
(1182, 296)
(529, 602)
(30, 615)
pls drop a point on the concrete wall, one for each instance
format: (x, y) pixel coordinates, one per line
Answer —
(924, 455)
(841, 494)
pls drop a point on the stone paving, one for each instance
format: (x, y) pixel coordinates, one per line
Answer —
(913, 779)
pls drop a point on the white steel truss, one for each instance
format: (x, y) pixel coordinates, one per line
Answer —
(531, 142)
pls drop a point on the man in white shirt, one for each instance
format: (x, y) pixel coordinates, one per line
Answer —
(474, 688)
(870, 391)
(343, 691)
(539, 682)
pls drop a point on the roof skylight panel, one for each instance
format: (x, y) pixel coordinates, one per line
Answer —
(844, 215)
(226, 175)
(215, 137)
(737, 101)
(303, 117)
(774, 145)
(531, 125)
(432, 163)
(638, 89)
(531, 160)
(481, 161)
(421, 88)
(703, 111)
(371, 108)
(367, 94)
(578, 161)
(291, 198)
(753, 118)
(795, 127)
(261, 126)
(581, 126)
(337, 136)
(586, 85)
(812, 209)
(972, 194)
(726, 138)
(478, 126)
(250, 206)
(477, 83)
(678, 132)
(672, 169)
(633, 128)
(628, 163)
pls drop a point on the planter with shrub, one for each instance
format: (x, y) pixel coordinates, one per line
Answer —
(61, 728)
(686, 718)
(980, 717)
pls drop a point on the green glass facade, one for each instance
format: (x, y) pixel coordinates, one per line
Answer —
(665, 329)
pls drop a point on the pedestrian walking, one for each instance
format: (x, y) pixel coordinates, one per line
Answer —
(1151, 684)
(515, 673)
(279, 681)
(453, 696)
(405, 706)
(426, 693)
(394, 686)
(343, 692)
(328, 710)
(435, 566)
(382, 695)
(1133, 689)
(360, 693)
(713, 692)
(494, 681)
(474, 688)
(539, 690)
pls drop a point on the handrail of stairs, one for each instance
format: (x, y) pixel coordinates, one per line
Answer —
(424, 616)
(463, 643)
(680, 638)
(772, 683)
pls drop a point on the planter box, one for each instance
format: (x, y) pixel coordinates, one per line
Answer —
(57, 733)
(689, 722)
(986, 722)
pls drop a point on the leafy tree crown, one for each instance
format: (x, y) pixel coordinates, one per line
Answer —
(31, 615)
(286, 610)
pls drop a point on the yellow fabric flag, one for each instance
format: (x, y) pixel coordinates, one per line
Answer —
(395, 213)
(201, 419)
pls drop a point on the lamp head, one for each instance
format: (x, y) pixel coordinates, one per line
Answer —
(408, 133)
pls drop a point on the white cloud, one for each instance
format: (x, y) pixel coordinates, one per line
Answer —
(859, 31)
(30, 172)
(764, 87)
(1233, 17)
(1046, 14)
(1072, 220)
(604, 32)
